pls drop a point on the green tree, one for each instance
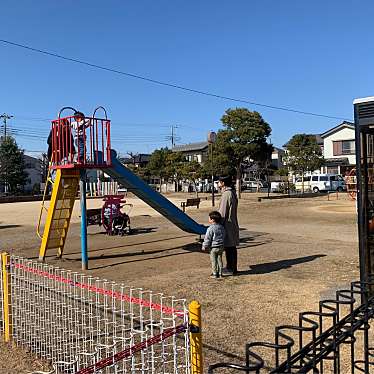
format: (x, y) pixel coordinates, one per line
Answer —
(244, 137)
(192, 171)
(158, 164)
(175, 162)
(303, 155)
(12, 165)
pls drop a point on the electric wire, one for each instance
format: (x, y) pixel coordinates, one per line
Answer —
(167, 84)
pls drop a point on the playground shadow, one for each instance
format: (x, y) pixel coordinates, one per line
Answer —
(145, 255)
(129, 245)
(150, 255)
(253, 238)
(252, 241)
(270, 267)
(9, 226)
(136, 231)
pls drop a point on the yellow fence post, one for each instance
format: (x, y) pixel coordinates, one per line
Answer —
(196, 344)
(7, 321)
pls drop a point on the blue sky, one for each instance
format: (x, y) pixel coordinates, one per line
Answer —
(313, 56)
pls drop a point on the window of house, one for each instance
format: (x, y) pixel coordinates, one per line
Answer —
(348, 147)
(343, 147)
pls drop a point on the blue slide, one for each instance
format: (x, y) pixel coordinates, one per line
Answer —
(158, 202)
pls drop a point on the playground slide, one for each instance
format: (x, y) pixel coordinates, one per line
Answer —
(158, 202)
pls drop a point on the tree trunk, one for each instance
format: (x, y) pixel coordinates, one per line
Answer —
(197, 192)
(239, 181)
(302, 183)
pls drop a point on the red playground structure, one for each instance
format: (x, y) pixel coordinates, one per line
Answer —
(113, 219)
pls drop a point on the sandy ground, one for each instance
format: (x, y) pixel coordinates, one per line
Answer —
(293, 252)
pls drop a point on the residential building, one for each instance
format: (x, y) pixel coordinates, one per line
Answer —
(277, 158)
(33, 168)
(339, 148)
(138, 160)
(194, 151)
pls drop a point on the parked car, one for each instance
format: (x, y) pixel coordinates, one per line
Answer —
(277, 186)
(252, 183)
(321, 182)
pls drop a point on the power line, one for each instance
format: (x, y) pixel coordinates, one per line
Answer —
(171, 85)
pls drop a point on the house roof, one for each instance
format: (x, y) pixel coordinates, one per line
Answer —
(141, 157)
(344, 124)
(318, 137)
(277, 149)
(190, 147)
(31, 160)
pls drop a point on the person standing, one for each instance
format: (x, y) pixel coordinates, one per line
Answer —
(80, 125)
(228, 208)
(214, 239)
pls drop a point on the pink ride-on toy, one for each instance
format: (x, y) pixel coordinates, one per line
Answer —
(113, 219)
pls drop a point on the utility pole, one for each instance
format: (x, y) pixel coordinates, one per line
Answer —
(5, 117)
(212, 137)
(173, 136)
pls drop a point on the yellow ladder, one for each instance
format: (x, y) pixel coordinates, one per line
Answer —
(65, 188)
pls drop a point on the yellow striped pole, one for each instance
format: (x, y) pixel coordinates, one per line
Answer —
(196, 345)
(7, 324)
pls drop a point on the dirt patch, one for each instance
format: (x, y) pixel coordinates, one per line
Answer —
(345, 209)
(291, 254)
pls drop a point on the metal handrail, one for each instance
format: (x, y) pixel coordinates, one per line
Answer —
(43, 208)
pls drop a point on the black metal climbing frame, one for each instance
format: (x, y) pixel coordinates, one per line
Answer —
(334, 339)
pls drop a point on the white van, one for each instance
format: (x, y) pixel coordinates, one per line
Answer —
(321, 182)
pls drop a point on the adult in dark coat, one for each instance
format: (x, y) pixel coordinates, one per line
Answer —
(64, 142)
(228, 208)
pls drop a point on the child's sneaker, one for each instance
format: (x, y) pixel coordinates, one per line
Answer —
(214, 275)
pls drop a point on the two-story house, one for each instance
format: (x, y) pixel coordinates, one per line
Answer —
(339, 148)
(193, 151)
(277, 158)
(138, 160)
(33, 168)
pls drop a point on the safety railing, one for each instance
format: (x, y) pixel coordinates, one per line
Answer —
(84, 324)
(80, 142)
(43, 209)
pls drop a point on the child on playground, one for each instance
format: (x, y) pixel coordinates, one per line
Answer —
(213, 240)
(79, 125)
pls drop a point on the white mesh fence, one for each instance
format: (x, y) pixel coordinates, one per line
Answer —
(77, 321)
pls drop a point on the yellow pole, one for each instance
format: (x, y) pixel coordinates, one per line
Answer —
(5, 259)
(196, 344)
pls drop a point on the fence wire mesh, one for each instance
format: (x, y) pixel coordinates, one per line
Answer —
(77, 320)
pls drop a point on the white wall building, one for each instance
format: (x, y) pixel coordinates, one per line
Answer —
(339, 148)
(277, 158)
